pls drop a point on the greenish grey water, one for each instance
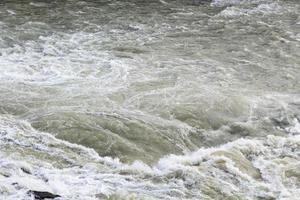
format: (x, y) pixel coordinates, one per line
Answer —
(140, 80)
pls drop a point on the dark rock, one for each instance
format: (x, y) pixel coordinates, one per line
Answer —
(25, 170)
(43, 195)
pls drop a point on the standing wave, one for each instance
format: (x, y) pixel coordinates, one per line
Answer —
(266, 168)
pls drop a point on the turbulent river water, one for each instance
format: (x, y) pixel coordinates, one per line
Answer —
(150, 99)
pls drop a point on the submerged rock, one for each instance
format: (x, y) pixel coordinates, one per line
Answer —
(43, 195)
(241, 162)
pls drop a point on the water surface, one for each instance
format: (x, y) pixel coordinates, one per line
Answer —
(150, 99)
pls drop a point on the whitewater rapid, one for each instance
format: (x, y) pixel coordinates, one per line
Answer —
(108, 99)
(244, 169)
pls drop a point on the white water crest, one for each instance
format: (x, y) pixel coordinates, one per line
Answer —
(245, 168)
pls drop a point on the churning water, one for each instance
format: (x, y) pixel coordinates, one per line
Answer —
(150, 99)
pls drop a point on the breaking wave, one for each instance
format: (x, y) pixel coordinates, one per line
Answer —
(246, 168)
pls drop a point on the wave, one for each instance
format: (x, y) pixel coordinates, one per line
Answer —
(245, 168)
(236, 2)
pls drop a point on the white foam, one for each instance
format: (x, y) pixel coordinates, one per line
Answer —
(231, 2)
(261, 9)
(172, 177)
(294, 128)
